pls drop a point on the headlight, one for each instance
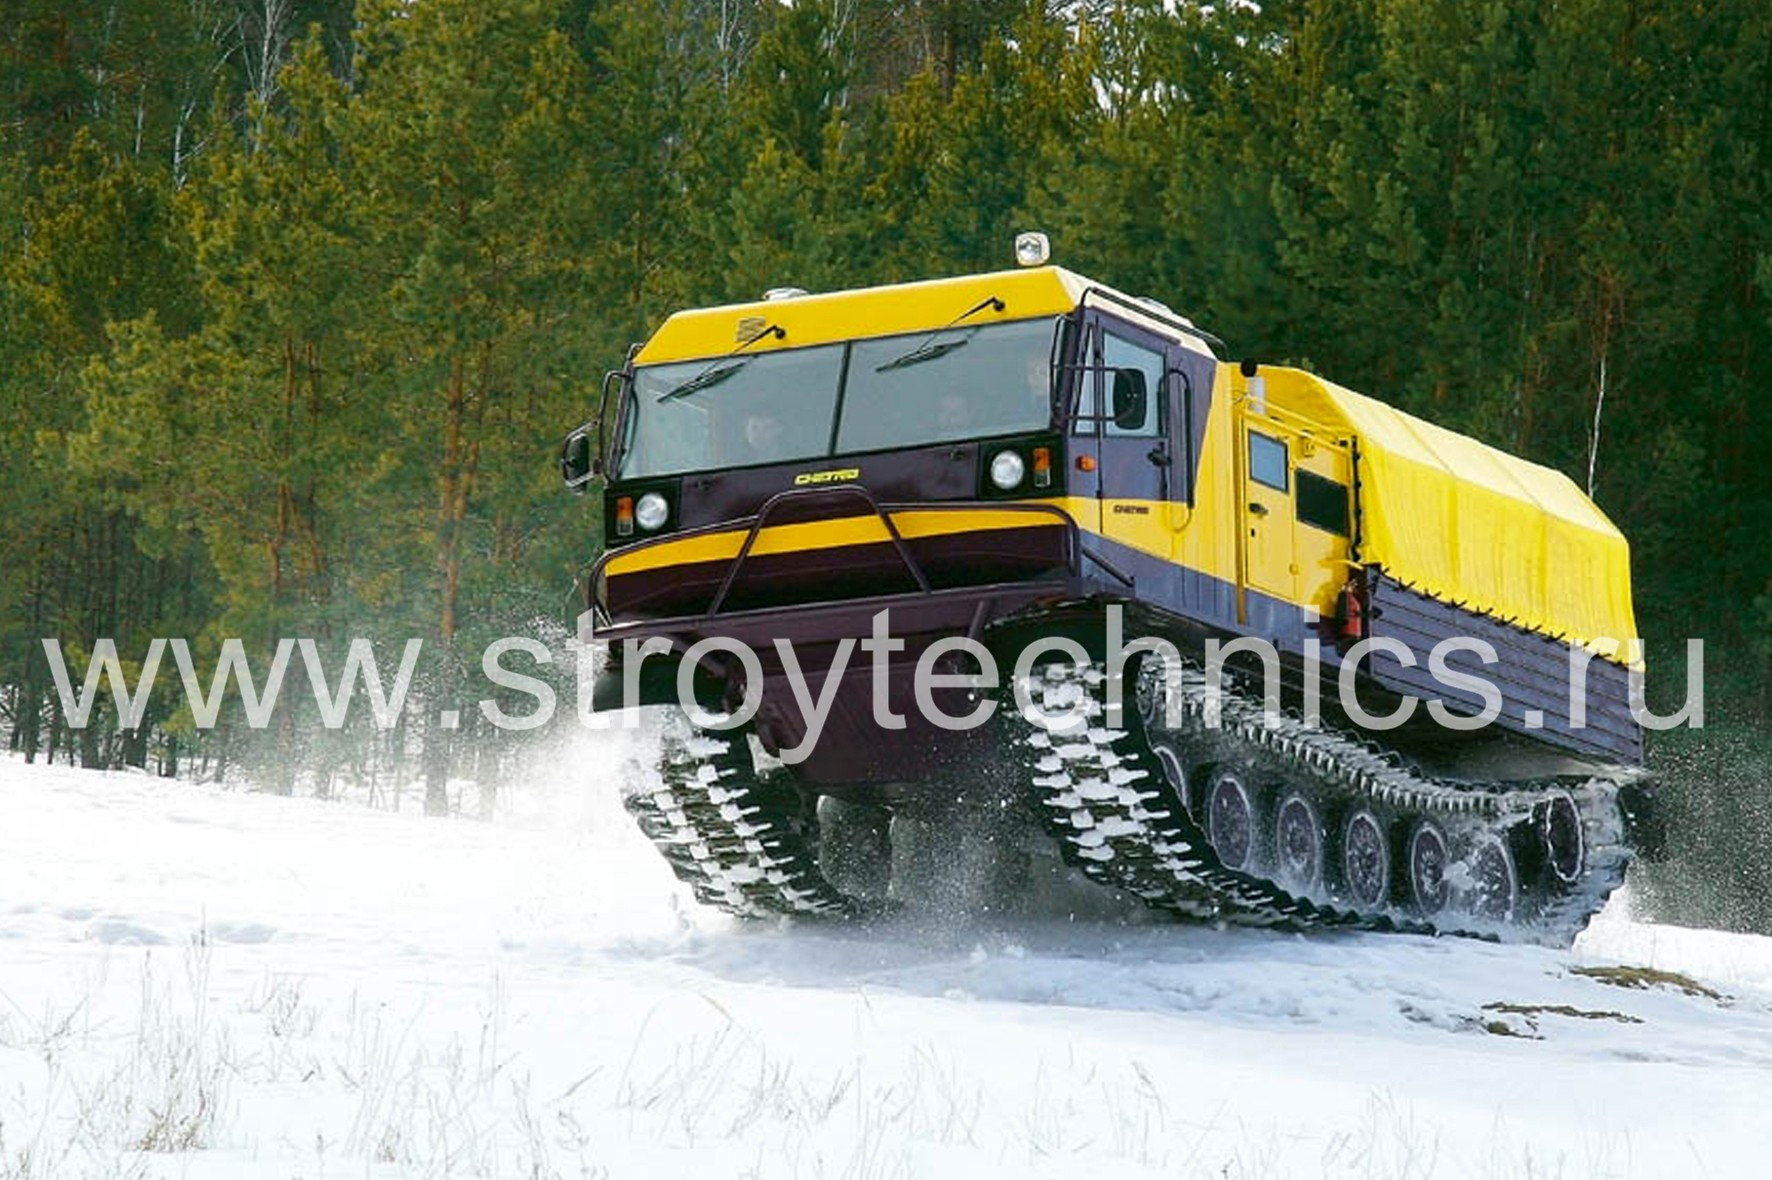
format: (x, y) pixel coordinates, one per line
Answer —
(651, 512)
(1007, 470)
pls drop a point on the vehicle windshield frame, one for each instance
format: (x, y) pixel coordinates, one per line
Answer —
(996, 381)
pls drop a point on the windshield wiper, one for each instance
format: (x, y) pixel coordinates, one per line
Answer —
(717, 372)
(928, 349)
(706, 379)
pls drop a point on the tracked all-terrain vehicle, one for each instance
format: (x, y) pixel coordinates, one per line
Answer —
(878, 554)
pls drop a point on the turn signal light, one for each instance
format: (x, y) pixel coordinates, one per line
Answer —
(624, 516)
(1085, 462)
(1042, 467)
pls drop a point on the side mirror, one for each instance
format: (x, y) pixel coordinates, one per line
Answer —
(577, 467)
(1131, 399)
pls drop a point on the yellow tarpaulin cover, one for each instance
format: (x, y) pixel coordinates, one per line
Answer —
(1469, 524)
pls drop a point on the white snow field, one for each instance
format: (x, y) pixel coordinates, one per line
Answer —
(206, 983)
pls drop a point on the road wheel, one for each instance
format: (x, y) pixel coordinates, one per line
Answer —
(1365, 861)
(1298, 844)
(855, 847)
(1494, 881)
(1230, 819)
(1428, 859)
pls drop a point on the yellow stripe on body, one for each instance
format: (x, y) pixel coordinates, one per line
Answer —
(1151, 531)
(1163, 532)
(912, 524)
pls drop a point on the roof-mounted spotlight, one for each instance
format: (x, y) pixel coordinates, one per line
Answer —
(1032, 249)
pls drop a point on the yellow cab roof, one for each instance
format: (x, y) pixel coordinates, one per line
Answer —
(866, 312)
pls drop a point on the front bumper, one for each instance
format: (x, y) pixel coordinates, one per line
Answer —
(818, 565)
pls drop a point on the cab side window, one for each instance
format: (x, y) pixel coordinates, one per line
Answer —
(1133, 382)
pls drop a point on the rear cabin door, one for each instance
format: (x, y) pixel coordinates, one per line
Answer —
(1122, 426)
(1269, 561)
(1296, 506)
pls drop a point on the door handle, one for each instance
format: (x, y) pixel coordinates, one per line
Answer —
(1258, 509)
(1159, 457)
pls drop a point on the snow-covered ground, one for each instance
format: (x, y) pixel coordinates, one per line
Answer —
(249, 986)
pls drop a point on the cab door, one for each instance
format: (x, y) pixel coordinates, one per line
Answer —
(1268, 508)
(1121, 426)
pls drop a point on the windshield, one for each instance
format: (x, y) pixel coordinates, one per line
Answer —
(698, 415)
(783, 407)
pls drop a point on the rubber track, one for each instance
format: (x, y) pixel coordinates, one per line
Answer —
(1119, 820)
(730, 834)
